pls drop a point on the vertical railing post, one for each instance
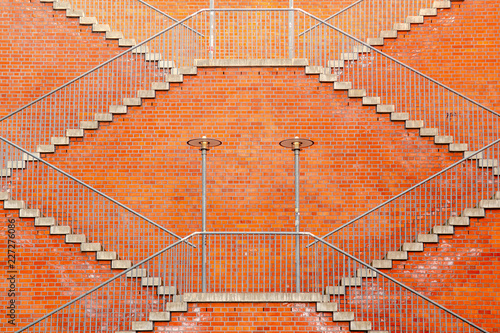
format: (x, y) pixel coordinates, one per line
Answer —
(291, 28)
(211, 38)
(296, 144)
(205, 144)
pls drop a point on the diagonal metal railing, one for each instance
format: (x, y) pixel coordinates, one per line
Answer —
(130, 21)
(373, 20)
(246, 35)
(73, 208)
(251, 264)
(421, 213)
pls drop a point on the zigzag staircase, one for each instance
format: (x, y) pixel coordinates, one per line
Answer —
(172, 70)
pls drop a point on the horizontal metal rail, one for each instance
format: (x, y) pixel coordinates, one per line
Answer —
(261, 258)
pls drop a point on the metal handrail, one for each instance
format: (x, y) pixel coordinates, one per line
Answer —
(332, 16)
(425, 181)
(216, 233)
(90, 188)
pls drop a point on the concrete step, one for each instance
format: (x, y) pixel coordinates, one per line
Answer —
(137, 273)
(371, 100)
(188, 70)
(335, 290)
(29, 213)
(360, 48)
(140, 50)
(74, 13)
(142, 326)
(460, 147)
(413, 247)
(118, 109)
(397, 255)
(114, 35)
(166, 290)
(314, 70)
(75, 238)
(389, 34)
(443, 139)
(442, 4)
(89, 124)
(132, 102)
(343, 316)
(375, 41)
(121, 264)
(473, 212)
(90, 247)
(365, 273)
(491, 204)
(356, 93)
(160, 86)
(415, 19)
(45, 149)
(382, 264)
(4, 196)
(336, 64)
(458, 221)
(385, 108)
(88, 20)
(153, 56)
(175, 78)
(104, 117)
(360, 325)
(349, 56)
(27, 157)
(487, 163)
(326, 307)
(60, 230)
(327, 78)
(5, 173)
(100, 27)
(61, 5)
(146, 94)
(13, 204)
(342, 85)
(428, 12)
(59, 141)
(428, 131)
(414, 124)
(151, 282)
(16, 164)
(127, 42)
(443, 230)
(106, 255)
(165, 64)
(44, 221)
(176, 306)
(470, 154)
(159, 316)
(74, 133)
(402, 26)
(400, 116)
(351, 281)
(427, 238)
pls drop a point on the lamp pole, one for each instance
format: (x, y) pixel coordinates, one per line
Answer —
(296, 145)
(204, 144)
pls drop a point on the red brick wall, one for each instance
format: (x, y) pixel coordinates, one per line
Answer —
(360, 158)
(41, 49)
